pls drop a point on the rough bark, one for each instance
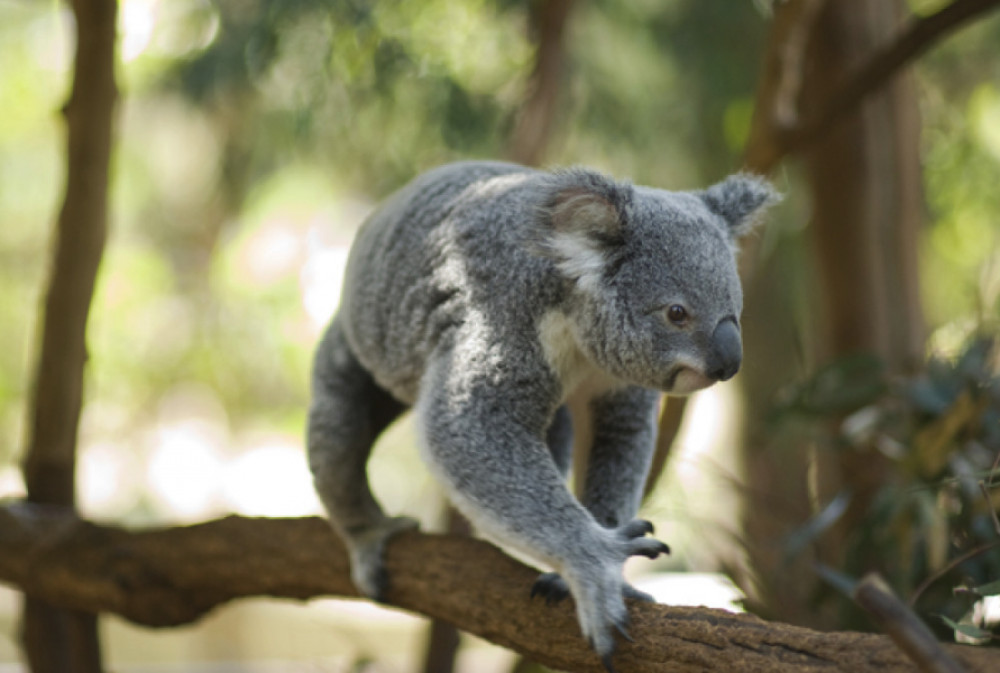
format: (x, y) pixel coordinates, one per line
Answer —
(54, 639)
(173, 576)
(443, 640)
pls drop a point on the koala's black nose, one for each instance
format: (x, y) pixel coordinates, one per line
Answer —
(727, 351)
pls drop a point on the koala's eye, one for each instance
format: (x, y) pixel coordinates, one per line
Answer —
(677, 314)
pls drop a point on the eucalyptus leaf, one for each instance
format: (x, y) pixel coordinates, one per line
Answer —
(969, 630)
(804, 535)
(988, 589)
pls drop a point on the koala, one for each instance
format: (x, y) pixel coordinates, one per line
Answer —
(484, 296)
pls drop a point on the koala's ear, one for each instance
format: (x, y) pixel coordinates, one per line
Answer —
(581, 219)
(740, 200)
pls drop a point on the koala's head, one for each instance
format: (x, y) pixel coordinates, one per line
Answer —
(655, 295)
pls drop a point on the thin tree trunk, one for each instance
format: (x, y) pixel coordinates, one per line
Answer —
(534, 125)
(54, 639)
(865, 181)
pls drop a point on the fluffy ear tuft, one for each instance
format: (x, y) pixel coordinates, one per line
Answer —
(577, 210)
(740, 200)
(581, 222)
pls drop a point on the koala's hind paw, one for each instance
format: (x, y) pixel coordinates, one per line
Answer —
(367, 551)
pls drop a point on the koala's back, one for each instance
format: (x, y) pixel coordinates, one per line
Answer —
(450, 244)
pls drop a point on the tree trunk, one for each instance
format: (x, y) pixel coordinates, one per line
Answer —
(865, 179)
(56, 639)
(531, 134)
(865, 183)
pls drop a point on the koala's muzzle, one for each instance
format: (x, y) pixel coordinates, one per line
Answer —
(726, 351)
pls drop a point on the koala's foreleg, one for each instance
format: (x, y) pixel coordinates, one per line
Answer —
(483, 433)
(624, 435)
(348, 413)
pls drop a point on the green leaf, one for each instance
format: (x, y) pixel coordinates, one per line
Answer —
(967, 629)
(842, 582)
(988, 589)
(811, 530)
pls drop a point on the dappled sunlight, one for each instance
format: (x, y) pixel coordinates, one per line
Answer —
(708, 422)
(135, 23)
(327, 247)
(184, 472)
(271, 479)
(11, 482)
(711, 590)
(165, 28)
(191, 467)
(106, 478)
(273, 252)
(984, 112)
(695, 504)
(322, 281)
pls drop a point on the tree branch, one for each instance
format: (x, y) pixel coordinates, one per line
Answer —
(776, 106)
(902, 625)
(173, 576)
(766, 149)
(884, 64)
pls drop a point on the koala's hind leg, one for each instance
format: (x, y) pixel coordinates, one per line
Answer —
(348, 412)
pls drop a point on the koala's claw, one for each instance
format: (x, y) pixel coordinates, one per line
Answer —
(652, 550)
(638, 528)
(606, 657)
(622, 628)
(636, 542)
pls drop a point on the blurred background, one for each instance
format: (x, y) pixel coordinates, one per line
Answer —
(252, 139)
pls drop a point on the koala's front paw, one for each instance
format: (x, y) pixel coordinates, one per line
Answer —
(595, 580)
(367, 551)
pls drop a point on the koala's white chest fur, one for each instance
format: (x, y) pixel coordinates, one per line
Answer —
(581, 379)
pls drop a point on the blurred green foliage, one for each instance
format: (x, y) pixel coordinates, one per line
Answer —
(933, 525)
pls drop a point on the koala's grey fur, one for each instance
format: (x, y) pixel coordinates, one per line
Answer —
(484, 295)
